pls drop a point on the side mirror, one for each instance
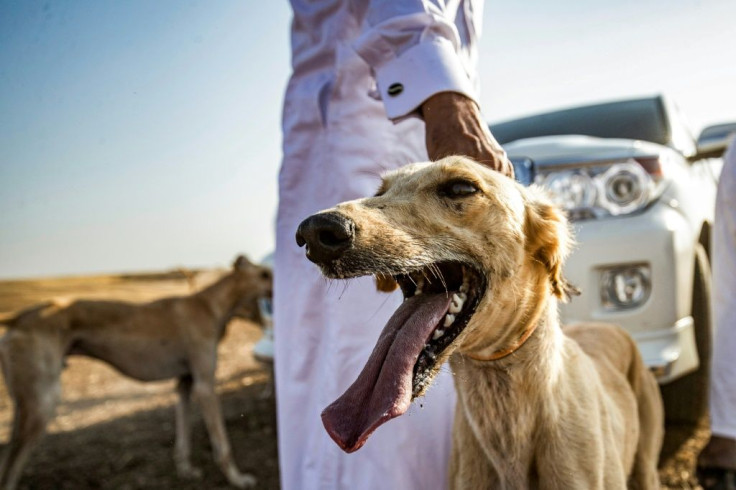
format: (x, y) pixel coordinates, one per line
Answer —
(714, 140)
(524, 170)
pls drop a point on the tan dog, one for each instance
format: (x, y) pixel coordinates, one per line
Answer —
(168, 338)
(479, 258)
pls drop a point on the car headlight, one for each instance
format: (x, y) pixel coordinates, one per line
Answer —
(600, 190)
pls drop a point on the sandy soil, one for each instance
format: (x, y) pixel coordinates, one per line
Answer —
(115, 433)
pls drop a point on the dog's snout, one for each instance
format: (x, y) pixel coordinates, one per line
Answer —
(326, 235)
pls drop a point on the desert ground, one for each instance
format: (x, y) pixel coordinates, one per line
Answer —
(115, 433)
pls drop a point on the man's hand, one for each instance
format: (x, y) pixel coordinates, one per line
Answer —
(454, 126)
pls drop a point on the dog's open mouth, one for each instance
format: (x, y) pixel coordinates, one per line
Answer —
(439, 301)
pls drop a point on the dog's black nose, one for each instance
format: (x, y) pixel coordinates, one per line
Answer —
(326, 235)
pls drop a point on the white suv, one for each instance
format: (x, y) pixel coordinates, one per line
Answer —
(640, 193)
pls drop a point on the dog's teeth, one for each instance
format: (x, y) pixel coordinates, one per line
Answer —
(465, 286)
(463, 297)
(456, 305)
(449, 319)
(438, 333)
(420, 286)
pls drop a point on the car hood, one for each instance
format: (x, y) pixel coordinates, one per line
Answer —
(570, 149)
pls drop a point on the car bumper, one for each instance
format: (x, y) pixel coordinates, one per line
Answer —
(662, 239)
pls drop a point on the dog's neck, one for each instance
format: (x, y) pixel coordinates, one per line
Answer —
(488, 391)
(220, 298)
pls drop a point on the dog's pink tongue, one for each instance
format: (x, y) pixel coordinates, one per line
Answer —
(384, 387)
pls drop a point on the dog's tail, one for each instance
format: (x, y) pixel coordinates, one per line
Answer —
(12, 321)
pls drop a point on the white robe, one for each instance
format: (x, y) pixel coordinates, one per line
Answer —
(341, 131)
(723, 374)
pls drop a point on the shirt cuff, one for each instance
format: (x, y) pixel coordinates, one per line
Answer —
(423, 70)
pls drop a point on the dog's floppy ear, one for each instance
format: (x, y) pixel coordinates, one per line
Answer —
(548, 241)
(241, 262)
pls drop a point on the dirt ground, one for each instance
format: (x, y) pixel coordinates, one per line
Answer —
(115, 433)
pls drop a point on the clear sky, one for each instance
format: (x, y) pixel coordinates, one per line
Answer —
(145, 134)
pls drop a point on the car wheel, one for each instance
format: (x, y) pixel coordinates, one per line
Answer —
(686, 398)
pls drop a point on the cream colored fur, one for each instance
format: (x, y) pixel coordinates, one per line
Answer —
(571, 408)
(168, 338)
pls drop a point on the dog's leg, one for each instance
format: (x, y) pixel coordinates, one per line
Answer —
(204, 392)
(34, 407)
(6, 375)
(644, 474)
(182, 450)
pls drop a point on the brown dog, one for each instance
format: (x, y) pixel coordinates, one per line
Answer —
(168, 338)
(479, 261)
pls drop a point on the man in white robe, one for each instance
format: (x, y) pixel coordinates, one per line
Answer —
(375, 85)
(718, 460)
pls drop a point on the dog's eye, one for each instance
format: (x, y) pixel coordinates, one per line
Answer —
(457, 188)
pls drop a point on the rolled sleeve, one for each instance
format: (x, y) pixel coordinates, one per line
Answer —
(425, 69)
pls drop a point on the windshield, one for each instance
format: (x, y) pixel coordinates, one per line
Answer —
(642, 119)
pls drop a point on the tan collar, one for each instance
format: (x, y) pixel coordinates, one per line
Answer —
(510, 349)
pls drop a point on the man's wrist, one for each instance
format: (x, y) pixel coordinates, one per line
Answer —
(446, 104)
